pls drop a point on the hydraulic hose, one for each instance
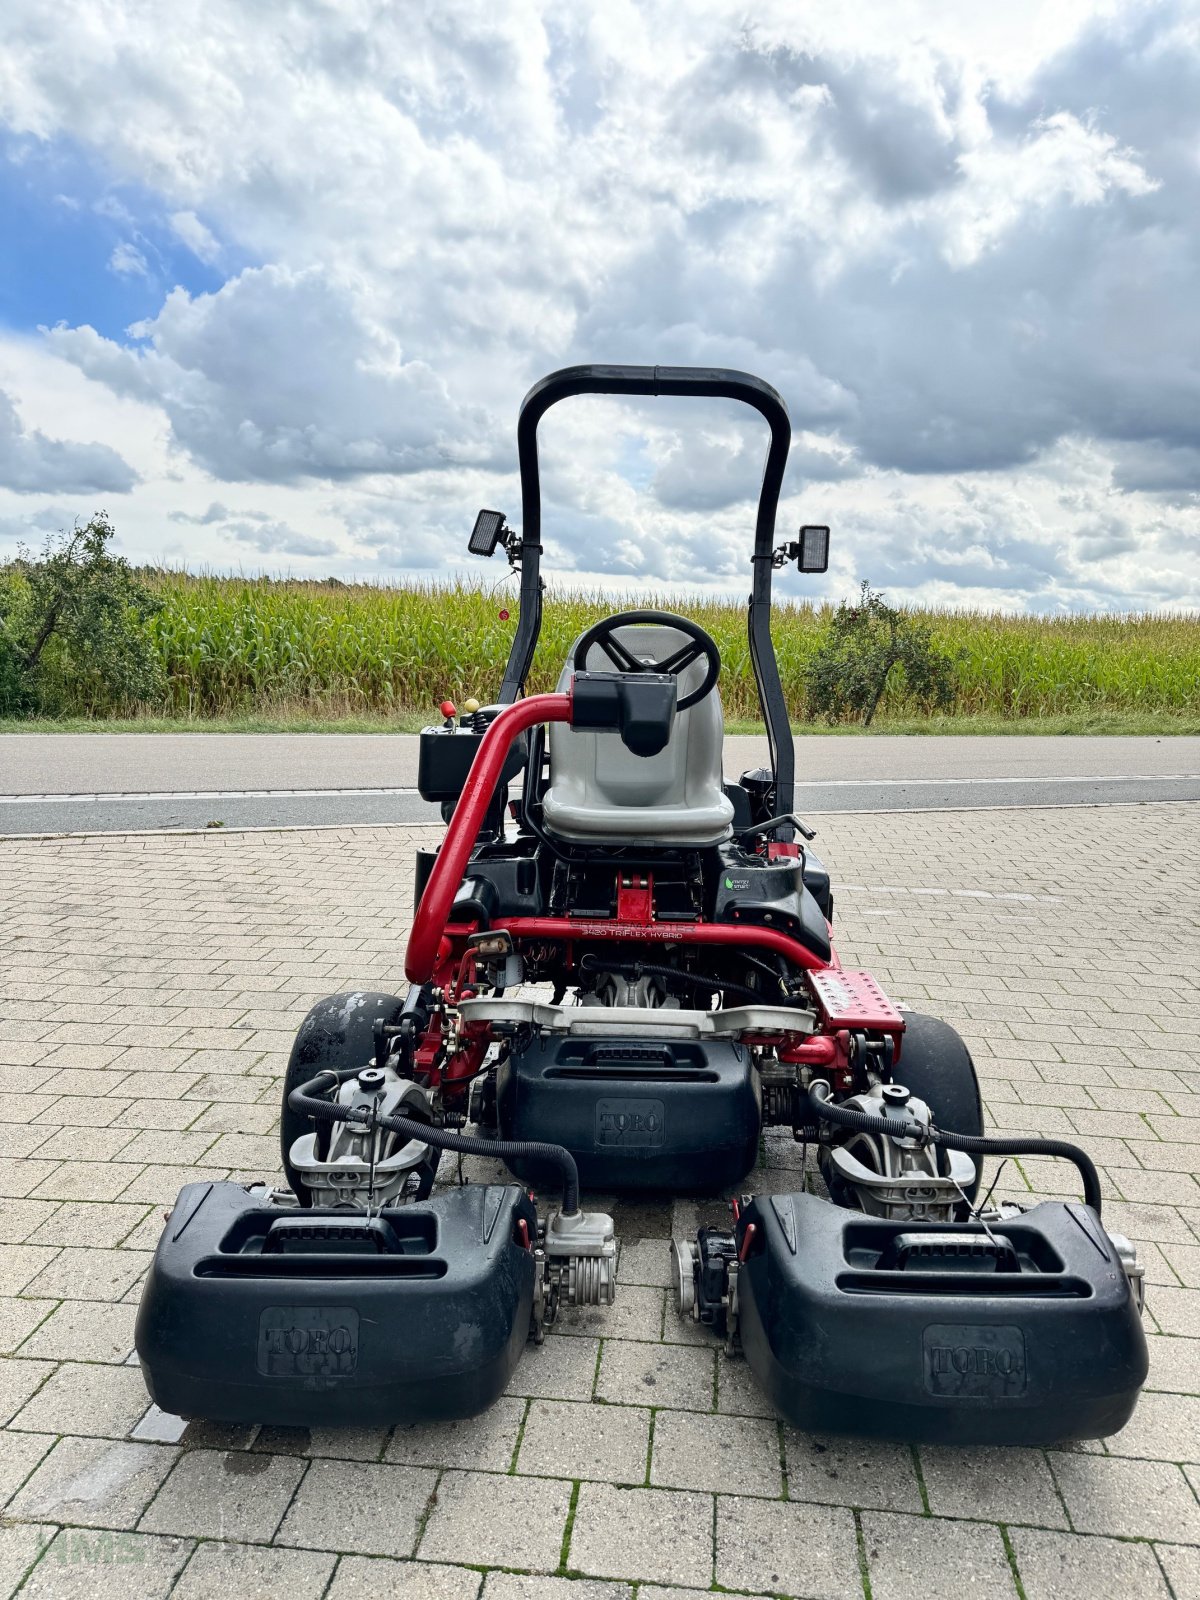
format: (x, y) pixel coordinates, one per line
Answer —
(305, 1101)
(863, 1121)
(1078, 1158)
(910, 1128)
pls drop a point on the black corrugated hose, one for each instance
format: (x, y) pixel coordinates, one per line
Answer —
(910, 1128)
(305, 1101)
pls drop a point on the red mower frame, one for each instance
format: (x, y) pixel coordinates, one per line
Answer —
(439, 953)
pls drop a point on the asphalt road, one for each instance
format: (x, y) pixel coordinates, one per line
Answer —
(70, 783)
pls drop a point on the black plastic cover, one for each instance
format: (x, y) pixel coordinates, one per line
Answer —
(739, 799)
(444, 758)
(770, 894)
(508, 885)
(252, 1313)
(682, 1115)
(639, 706)
(816, 881)
(424, 865)
(842, 1341)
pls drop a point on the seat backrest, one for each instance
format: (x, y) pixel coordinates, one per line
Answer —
(601, 791)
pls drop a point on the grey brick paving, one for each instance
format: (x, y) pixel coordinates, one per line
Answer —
(97, 1483)
(1058, 1564)
(521, 1586)
(717, 1453)
(851, 1472)
(486, 1443)
(909, 1558)
(90, 1564)
(642, 1533)
(254, 1573)
(224, 1494)
(571, 1440)
(356, 1505)
(1001, 1485)
(789, 1548)
(497, 1521)
(149, 990)
(361, 1579)
(1181, 1563)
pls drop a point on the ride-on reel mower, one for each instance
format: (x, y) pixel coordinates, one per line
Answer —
(620, 973)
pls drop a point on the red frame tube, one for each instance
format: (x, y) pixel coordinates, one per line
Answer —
(726, 933)
(429, 924)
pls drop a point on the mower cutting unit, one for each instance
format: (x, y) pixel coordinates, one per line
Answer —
(620, 972)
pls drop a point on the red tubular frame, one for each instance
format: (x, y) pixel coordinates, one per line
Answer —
(708, 933)
(429, 924)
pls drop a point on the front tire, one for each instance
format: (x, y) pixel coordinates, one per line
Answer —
(936, 1066)
(339, 1032)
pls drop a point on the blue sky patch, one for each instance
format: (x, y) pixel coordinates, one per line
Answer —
(77, 247)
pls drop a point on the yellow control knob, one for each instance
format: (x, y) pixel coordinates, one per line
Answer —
(470, 706)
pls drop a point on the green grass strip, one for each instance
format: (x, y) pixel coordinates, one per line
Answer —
(565, 1548)
(863, 1569)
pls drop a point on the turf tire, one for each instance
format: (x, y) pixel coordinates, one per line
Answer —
(338, 1032)
(936, 1065)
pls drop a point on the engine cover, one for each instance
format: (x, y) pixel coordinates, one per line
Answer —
(676, 1114)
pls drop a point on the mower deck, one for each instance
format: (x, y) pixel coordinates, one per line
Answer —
(1024, 1331)
(306, 1318)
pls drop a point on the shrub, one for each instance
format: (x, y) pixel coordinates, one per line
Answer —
(868, 648)
(73, 628)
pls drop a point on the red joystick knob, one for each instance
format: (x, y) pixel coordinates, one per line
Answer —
(448, 708)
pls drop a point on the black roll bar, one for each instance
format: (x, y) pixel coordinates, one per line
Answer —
(710, 382)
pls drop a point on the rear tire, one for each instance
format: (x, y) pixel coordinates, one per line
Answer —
(936, 1065)
(338, 1032)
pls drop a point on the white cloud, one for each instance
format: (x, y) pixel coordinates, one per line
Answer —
(127, 261)
(199, 240)
(964, 243)
(1063, 162)
(279, 376)
(31, 463)
(276, 538)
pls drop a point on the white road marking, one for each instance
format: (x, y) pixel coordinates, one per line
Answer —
(947, 783)
(118, 796)
(123, 797)
(956, 894)
(425, 828)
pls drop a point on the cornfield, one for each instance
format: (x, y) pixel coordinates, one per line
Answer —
(235, 645)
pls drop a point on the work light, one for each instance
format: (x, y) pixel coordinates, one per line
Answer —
(487, 533)
(812, 552)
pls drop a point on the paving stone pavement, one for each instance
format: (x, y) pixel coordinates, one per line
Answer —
(150, 987)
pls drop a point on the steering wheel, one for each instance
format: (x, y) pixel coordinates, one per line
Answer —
(699, 644)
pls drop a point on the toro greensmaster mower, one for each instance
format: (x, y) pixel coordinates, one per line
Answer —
(620, 972)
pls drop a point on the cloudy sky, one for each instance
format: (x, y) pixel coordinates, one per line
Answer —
(274, 278)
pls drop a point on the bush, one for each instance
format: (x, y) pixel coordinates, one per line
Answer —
(868, 648)
(73, 628)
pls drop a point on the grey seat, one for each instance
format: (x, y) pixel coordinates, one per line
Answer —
(602, 793)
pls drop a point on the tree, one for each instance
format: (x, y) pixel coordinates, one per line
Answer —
(868, 646)
(73, 628)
